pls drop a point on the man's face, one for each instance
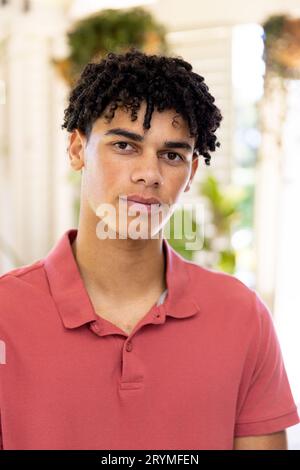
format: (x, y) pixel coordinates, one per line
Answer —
(156, 163)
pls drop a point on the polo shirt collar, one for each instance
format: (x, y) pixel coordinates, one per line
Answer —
(73, 302)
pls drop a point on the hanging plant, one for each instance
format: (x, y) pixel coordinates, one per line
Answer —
(282, 46)
(110, 31)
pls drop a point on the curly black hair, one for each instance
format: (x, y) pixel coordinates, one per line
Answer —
(126, 79)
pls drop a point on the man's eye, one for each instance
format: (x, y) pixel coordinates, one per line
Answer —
(174, 155)
(122, 145)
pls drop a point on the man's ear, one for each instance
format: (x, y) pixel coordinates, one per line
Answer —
(195, 162)
(76, 149)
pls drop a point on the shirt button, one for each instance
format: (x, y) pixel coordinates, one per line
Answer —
(96, 327)
(129, 346)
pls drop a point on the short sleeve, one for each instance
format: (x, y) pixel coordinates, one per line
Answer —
(265, 404)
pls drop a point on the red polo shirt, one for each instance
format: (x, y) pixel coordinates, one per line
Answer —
(197, 370)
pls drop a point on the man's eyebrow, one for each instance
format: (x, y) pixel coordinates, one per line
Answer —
(139, 138)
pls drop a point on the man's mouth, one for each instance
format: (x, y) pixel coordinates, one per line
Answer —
(142, 200)
(142, 204)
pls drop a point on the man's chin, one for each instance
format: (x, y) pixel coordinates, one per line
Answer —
(104, 232)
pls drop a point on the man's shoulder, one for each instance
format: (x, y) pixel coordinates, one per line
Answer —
(22, 289)
(22, 276)
(222, 293)
(214, 279)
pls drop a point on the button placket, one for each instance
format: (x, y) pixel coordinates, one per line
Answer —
(132, 372)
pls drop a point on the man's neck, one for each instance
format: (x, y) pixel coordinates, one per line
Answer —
(120, 269)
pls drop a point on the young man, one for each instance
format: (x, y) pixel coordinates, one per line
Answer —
(117, 342)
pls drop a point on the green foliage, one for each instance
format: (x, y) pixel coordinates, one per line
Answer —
(189, 227)
(273, 31)
(223, 203)
(226, 207)
(273, 28)
(227, 261)
(282, 46)
(245, 208)
(112, 31)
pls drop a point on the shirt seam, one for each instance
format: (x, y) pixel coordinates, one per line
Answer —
(270, 418)
(29, 270)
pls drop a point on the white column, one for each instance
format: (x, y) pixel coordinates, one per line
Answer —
(267, 191)
(287, 298)
(38, 206)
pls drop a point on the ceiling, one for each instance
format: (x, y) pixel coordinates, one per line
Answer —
(190, 14)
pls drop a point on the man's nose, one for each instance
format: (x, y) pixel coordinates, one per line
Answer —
(148, 170)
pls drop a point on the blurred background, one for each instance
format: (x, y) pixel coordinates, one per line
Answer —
(249, 55)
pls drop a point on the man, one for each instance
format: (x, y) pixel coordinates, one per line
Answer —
(114, 341)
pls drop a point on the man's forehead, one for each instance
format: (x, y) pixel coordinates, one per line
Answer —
(168, 118)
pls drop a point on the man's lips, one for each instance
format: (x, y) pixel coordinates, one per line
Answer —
(132, 201)
(142, 200)
(149, 207)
